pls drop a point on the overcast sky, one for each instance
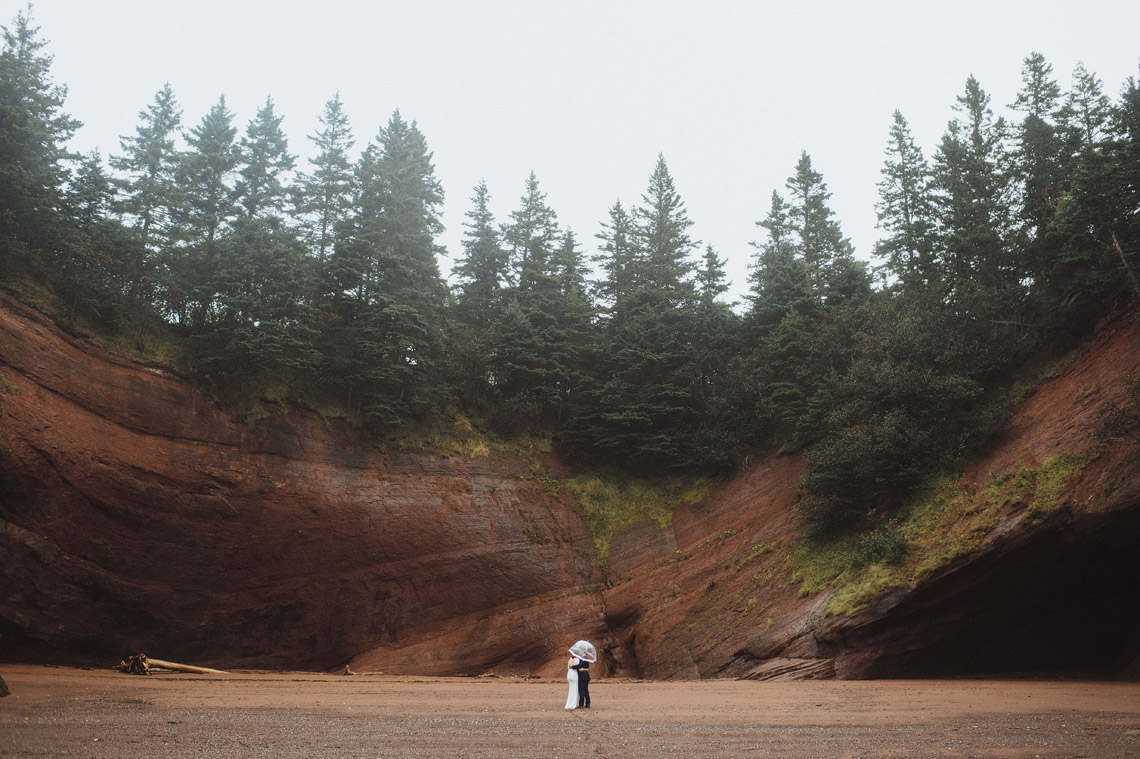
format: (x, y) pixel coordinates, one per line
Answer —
(586, 94)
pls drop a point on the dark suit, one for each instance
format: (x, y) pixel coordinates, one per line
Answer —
(583, 668)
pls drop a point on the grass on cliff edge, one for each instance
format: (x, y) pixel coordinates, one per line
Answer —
(136, 337)
(941, 524)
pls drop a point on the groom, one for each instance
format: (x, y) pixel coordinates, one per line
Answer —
(583, 668)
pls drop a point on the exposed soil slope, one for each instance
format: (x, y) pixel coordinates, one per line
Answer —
(134, 516)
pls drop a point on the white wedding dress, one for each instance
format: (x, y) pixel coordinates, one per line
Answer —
(572, 678)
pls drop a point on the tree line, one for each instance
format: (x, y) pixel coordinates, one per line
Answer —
(321, 281)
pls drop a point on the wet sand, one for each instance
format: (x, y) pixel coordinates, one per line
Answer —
(61, 712)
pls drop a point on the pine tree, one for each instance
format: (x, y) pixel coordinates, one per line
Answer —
(639, 409)
(810, 219)
(1039, 94)
(711, 280)
(779, 279)
(569, 269)
(905, 211)
(1086, 112)
(97, 264)
(263, 333)
(848, 281)
(206, 176)
(786, 375)
(804, 280)
(1124, 154)
(571, 314)
(1039, 155)
(185, 271)
(148, 165)
(34, 132)
(539, 333)
(1096, 226)
(264, 154)
(530, 238)
(661, 227)
(975, 197)
(388, 352)
(644, 396)
(481, 273)
(718, 440)
(833, 272)
(618, 257)
(91, 193)
(323, 198)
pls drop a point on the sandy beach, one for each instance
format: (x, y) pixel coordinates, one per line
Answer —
(61, 712)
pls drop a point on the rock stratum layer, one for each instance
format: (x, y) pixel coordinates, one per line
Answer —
(136, 516)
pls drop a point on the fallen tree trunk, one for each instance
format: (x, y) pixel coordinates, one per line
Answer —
(139, 664)
(184, 667)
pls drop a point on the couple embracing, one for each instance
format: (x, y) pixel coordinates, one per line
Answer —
(582, 654)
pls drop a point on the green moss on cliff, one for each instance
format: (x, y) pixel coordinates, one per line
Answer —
(612, 503)
(944, 522)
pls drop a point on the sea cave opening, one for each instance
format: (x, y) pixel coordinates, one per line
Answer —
(1064, 603)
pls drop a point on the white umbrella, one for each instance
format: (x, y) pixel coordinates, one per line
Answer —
(584, 650)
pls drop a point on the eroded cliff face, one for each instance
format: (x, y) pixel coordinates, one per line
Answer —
(134, 516)
(1055, 593)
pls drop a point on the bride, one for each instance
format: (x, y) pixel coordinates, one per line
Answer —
(572, 678)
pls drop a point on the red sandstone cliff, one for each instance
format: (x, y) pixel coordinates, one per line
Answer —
(134, 516)
(717, 594)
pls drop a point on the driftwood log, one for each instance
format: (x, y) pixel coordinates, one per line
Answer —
(139, 664)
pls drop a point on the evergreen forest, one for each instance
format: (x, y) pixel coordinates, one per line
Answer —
(208, 246)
